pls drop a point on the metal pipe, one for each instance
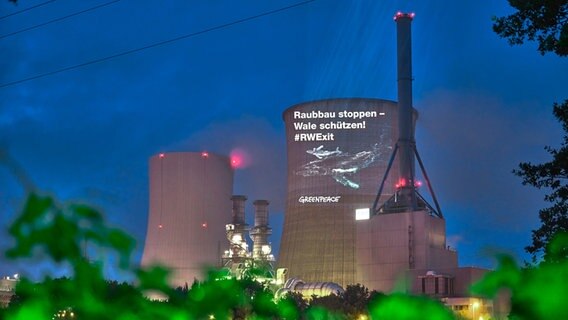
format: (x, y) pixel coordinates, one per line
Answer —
(260, 213)
(428, 184)
(375, 210)
(406, 140)
(238, 209)
(236, 231)
(259, 234)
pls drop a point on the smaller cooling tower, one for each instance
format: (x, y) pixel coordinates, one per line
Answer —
(190, 203)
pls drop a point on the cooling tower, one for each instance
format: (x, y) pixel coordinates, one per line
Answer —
(338, 151)
(190, 204)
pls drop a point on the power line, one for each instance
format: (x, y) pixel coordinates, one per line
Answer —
(27, 9)
(59, 19)
(189, 35)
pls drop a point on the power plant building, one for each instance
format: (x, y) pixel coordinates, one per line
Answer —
(354, 209)
(189, 206)
(354, 213)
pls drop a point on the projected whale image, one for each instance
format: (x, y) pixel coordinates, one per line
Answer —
(341, 165)
(320, 153)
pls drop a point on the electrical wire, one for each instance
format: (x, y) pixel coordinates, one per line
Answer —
(27, 9)
(59, 19)
(124, 53)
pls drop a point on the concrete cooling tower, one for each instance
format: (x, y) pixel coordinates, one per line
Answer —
(338, 151)
(190, 204)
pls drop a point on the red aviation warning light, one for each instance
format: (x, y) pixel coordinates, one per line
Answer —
(205, 154)
(399, 15)
(162, 156)
(400, 184)
(204, 225)
(239, 158)
(236, 162)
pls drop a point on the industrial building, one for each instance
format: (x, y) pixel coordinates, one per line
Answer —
(239, 258)
(195, 222)
(7, 290)
(334, 172)
(190, 203)
(355, 212)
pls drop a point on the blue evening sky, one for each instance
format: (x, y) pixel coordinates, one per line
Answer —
(87, 133)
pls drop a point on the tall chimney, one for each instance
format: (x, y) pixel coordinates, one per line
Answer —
(260, 232)
(260, 213)
(406, 198)
(238, 209)
(406, 142)
(236, 231)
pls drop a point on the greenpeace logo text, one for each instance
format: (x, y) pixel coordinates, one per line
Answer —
(319, 199)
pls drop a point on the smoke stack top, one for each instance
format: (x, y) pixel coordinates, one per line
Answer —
(399, 15)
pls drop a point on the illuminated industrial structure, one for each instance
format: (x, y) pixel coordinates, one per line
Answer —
(7, 289)
(238, 258)
(185, 224)
(309, 289)
(189, 205)
(262, 249)
(337, 227)
(338, 230)
(337, 151)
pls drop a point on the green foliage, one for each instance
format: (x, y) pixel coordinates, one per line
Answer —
(404, 307)
(60, 231)
(537, 293)
(355, 300)
(48, 228)
(292, 305)
(350, 304)
(295, 299)
(331, 303)
(57, 231)
(552, 175)
(545, 22)
(317, 312)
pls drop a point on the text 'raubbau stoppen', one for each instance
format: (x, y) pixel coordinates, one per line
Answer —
(329, 125)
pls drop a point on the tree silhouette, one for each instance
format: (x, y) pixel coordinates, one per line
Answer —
(545, 22)
(552, 175)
